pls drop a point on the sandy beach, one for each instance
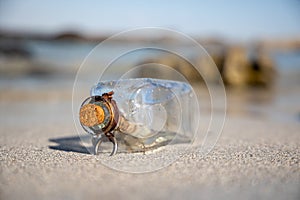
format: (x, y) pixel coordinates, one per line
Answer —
(256, 157)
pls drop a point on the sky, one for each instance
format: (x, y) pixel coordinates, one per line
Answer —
(210, 18)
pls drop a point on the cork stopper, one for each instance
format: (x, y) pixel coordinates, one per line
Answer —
(91, 115)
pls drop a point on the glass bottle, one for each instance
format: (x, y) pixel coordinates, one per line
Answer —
(140, 114)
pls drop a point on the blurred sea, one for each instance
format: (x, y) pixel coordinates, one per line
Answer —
(71, 55)
(281, 102)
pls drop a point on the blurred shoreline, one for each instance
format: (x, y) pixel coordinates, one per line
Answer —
(282, 43)
(39, 68)
(24, 54)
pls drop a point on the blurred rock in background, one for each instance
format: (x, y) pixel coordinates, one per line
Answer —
(242, 67)
(179, 64)
(239, 66)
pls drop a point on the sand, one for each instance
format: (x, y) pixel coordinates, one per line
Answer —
(257, 156)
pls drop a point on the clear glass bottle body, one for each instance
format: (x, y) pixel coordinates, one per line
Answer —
(153, 112)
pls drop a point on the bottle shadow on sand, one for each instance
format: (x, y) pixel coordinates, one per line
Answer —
(69, 144)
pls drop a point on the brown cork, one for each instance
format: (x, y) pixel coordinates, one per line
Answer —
(91, 115)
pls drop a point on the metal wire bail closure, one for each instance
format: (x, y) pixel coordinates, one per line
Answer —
(99, 116)
(97, 140)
